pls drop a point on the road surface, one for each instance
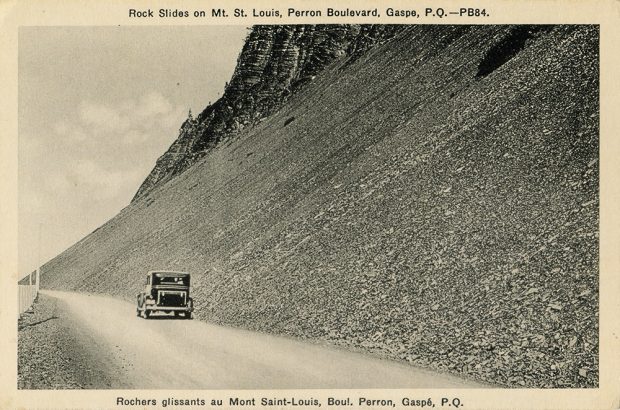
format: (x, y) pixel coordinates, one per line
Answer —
(129, 352)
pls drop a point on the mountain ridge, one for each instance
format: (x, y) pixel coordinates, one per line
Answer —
(275, 62)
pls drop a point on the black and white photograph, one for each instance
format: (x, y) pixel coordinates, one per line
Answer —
(290, 207)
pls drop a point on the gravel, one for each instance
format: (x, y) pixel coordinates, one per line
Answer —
(52, 353)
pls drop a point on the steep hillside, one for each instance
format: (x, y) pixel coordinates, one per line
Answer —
(434, 201)
(275, 62)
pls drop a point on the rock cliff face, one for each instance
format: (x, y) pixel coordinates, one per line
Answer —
(434, 201)
(274, 63)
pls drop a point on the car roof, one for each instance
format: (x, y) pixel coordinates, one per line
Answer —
(168, 272)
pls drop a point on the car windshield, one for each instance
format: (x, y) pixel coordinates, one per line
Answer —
(167, 279)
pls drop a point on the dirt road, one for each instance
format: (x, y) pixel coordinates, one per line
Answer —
(125, 352)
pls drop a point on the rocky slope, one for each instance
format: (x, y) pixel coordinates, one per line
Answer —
(434, 201)
(275, 62)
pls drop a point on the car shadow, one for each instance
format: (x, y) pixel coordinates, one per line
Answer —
(165, 317)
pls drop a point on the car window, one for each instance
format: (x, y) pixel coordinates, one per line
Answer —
(170, 280)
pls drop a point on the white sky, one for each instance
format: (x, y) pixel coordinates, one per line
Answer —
(97, 107)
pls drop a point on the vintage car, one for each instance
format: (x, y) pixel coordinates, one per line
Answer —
(166, 291)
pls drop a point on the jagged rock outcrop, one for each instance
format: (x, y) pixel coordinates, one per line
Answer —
(274, 63)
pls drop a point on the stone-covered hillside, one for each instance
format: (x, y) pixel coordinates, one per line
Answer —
(275, 62)
(433, 200)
